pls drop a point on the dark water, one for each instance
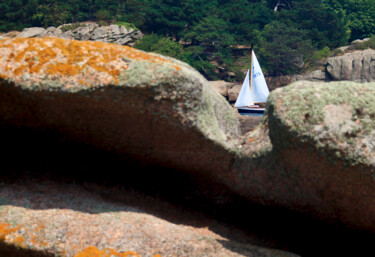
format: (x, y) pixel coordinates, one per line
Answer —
(253, 114)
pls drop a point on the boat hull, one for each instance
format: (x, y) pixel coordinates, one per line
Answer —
(250, 110)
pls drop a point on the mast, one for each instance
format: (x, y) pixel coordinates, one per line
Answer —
(251, 65)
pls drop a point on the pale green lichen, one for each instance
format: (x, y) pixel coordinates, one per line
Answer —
(300, 111)
(190, 93)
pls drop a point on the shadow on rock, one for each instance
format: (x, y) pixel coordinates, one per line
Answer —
(36, 160)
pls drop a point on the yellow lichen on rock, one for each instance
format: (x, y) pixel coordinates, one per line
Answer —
(35, 61)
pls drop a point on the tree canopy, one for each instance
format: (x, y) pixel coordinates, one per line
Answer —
(285, 32)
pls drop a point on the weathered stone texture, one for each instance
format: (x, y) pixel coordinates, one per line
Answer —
(87, 31)
(313, 152)
(153, 108)
(358, 66)
(322, 158)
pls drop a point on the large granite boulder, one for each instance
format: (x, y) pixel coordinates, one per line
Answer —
(312, 153)
(51, 219)
(358, 66)
(146, 106)
(319, 157)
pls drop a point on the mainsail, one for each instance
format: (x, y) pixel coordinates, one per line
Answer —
(259, 87)
(258, 93)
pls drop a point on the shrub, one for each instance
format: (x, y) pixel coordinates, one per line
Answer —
(103, 15)
(127, 25)
(72, 26)
(321, 54)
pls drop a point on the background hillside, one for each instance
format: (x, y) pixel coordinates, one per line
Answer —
(214, 36)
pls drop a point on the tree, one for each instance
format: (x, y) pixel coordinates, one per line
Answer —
(51, 13)
(164, 17)
(357, 15)
(211, 31)
(323, 26)
(15, 14)
(245, 18)
(283, 48)
(159, 44)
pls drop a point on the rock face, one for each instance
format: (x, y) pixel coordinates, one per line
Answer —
(320, 157)
(66, 220)
(119, 99)
(87, 31)
(358, 66)
(313, 153)
(222, 87)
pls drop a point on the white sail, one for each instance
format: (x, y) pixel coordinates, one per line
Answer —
(259, 87)
(245, 96)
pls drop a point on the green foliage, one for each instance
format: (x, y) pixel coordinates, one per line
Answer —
(323, 53)
(103, 15)
(166, 46)
(285, 38)
(127, 25)
(211, 31)
(284, 53)
(358, 16)
(323, 26)
(365, 44)
(159, 44)
(72, 26)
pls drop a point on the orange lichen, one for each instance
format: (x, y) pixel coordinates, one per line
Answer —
(70, 58)
(6, 230)
(19, 241)
(20, 236)
(92, 251)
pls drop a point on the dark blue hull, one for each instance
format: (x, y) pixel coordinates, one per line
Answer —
(251, 110)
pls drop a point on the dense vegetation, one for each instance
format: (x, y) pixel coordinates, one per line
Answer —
(287, 34)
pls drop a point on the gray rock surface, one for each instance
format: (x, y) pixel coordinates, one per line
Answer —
(358, 66)
(321, 156)
(32, 32)
(313, 152)
(59, 219)
(87, 31)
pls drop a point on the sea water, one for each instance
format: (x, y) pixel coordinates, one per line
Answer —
(253, 114)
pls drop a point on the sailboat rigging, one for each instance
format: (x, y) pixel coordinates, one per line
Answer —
(254, 89)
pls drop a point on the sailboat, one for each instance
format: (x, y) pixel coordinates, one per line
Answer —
(254, 90)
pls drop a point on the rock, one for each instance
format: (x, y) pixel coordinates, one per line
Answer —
(358, 66)
(9, 34)
(284, 80)
(99, 34)
(222, 87)
(359, 41)
(233, 92)
(52, 31)
(93, 91)
(317, 75)
(88, 31)
(67, 34)
(32, 32)
(279, 81)
(312, 153)
(248, 123)
(82, 33)
(49, 219)
(322, 138)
